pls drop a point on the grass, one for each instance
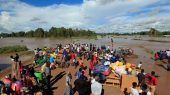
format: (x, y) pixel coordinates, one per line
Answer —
(10, 49)
(149, 51)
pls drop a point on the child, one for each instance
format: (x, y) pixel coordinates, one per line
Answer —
(139, 65)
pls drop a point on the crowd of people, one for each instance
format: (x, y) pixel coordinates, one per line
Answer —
(89, 77)
(161, 55)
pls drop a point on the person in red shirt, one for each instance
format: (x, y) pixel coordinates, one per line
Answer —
(73, 58)
(152, 79)
(95, 57)
(81, 63)
(92, 63)
(156, 56)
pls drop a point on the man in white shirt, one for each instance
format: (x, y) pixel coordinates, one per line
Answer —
(168, 53)
(96, 87)
(134, 91)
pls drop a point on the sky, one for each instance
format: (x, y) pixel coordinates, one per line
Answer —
(99, 15)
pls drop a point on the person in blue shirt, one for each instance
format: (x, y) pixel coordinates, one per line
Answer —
(78, 73)
(64, 54)
(113, 59)
(51, 59)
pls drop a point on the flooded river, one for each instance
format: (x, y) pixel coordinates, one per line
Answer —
(138, 46)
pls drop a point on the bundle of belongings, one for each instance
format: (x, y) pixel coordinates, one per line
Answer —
(100, 68)
(120, 69)
(101, 71)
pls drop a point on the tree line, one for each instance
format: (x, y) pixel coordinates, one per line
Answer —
(151, 32)
(52, 32)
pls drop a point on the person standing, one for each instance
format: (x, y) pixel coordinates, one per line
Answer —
(78, 73)
(16, 59)
(82, 85)
(81, 63)
(68, 90)
(13, 65)
(20, 69)
(152, 81)
(139, 65)
(90, 46)
(73, 58)
(48, 74)
(96, 87)
(91, 66)
(112, 43)
(141, 77)
(134, 90)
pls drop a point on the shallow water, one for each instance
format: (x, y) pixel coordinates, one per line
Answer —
(4, 66)
(137, 45)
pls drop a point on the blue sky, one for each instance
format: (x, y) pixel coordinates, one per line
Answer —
(97, 15)
(42, 3)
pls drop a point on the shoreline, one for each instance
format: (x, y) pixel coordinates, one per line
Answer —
(7, 70)
(23, 54)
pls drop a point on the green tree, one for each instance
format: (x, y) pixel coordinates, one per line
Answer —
(39, 32)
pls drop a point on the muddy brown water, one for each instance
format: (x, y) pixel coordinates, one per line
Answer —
(137, 45)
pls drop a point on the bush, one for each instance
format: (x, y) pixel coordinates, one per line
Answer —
(15, 48)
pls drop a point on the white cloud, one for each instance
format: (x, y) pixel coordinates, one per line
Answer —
(99, 15)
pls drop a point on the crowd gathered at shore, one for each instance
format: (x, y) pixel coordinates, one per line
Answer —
(93, 65)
